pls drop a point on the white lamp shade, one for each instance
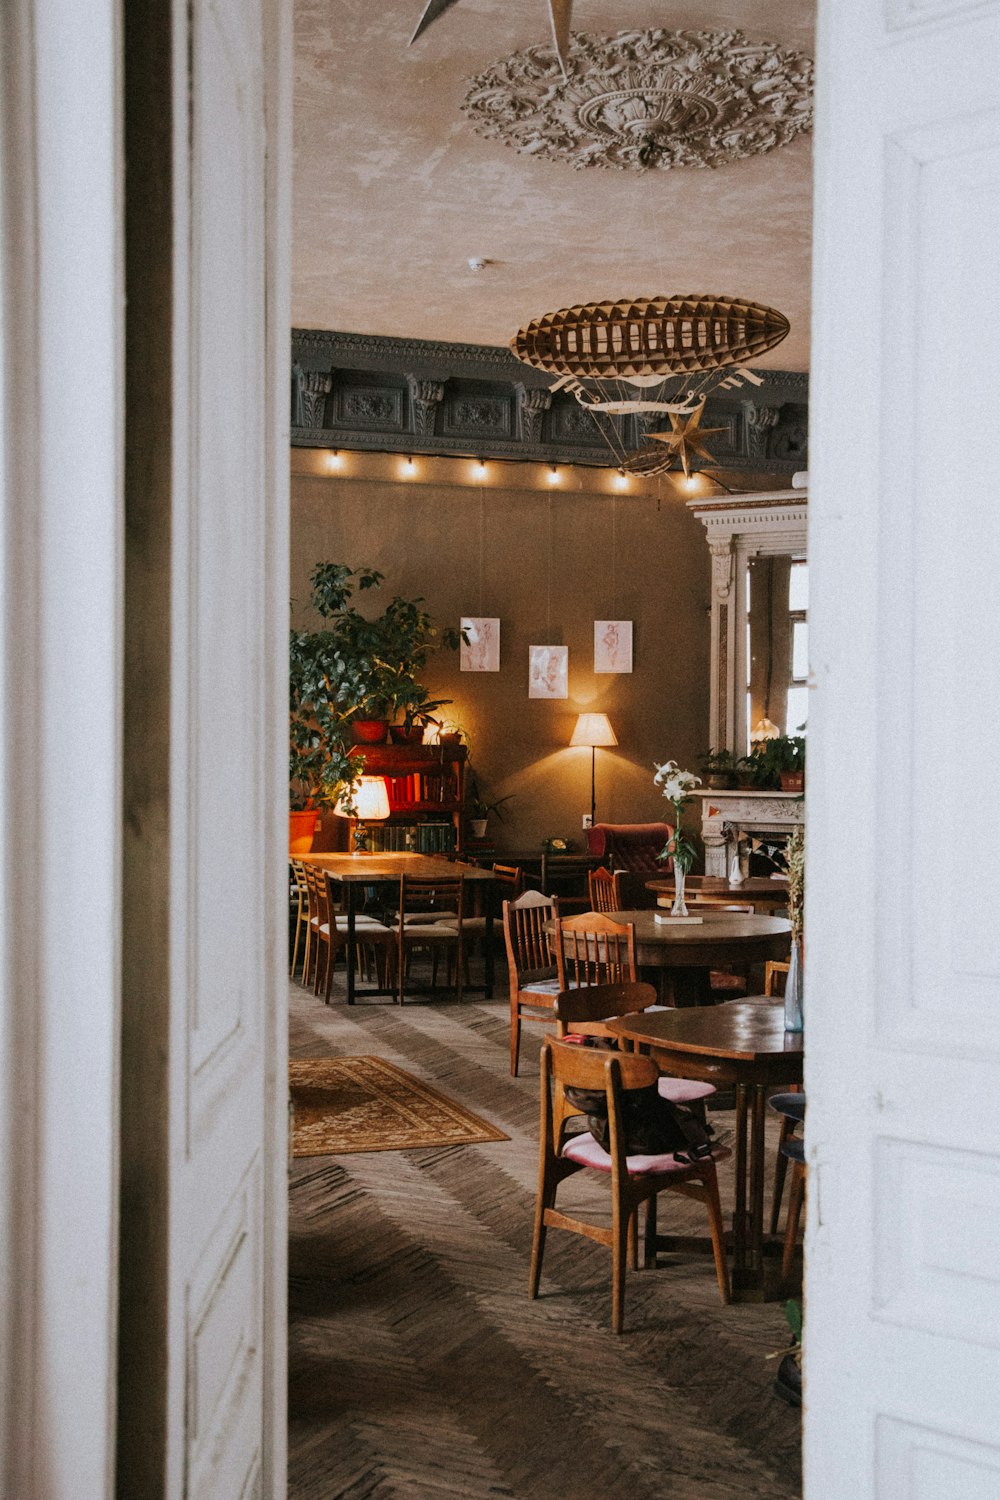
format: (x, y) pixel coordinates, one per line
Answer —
(764, 730)
(371, 798)
(593, 729)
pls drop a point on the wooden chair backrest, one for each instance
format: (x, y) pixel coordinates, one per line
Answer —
(599, 1001)
(422, 894)
(772, 970)
(605, 893)
(593, 949)
(299, 875)
(565, 1065)
(511, 876)
(529, 952)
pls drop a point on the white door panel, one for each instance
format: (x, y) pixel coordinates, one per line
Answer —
(217, 846)
(903, 1058)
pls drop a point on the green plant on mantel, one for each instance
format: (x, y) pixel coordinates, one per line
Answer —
(354, 668)
(787, 752)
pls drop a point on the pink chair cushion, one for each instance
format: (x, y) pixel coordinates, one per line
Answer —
(585, 1151)
(684, 1090)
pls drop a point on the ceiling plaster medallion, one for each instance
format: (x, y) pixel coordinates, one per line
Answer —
(645, 99)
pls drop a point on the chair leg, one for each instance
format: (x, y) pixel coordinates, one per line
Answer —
(796, 1198)
(461, 969)
(780, 1167)
(515, 1037)
(649, 1242)
(546, 1199)
(711, 1181)
(619, 1249)
(633, 1239)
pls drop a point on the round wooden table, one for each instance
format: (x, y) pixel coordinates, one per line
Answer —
(744, 1044)
(680, 957)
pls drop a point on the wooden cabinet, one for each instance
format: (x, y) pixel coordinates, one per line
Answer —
(426, 786)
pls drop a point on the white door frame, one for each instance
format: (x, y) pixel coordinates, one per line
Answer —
(61, 435)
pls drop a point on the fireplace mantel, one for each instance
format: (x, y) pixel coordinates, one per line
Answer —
(724, 815)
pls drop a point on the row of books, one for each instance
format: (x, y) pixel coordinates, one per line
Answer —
(421, 838)
(405, 790)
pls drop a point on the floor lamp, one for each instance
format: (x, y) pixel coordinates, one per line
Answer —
(593, 730)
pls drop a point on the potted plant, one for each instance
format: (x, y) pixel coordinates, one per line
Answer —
(718, 769)
(372, 665)
(480, 810)
(787, 755)
(419, 710)
(750, 772)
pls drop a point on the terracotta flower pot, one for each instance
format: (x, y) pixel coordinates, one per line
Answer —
(793, 781)
(301, 831)
(369, 731)
(400, 735)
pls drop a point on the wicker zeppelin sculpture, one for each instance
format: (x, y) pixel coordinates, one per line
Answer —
(643, 342)
(649, 337)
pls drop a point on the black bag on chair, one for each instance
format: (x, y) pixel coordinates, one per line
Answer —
(653, 1125)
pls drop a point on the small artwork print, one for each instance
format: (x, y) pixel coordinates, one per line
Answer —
(548, 671)
(612, 645)
(480, 648)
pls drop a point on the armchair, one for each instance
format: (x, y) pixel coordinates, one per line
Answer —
(633, 849)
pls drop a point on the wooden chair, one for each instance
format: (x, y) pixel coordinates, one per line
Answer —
(774, 985)
(585, 1012)
(438, 905)
(605, 890)
(791, 1105)
(594, 949)
(531, 968)
(321, 936)
(300, 898)
(633, 1179)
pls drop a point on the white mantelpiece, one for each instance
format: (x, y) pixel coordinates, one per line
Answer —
(740, 527)
(725, 814)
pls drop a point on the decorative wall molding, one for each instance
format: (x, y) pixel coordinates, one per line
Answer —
(740, 527)
(406, 395)
(646, 99)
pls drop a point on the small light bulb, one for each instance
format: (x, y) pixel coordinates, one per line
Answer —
(621, 480)
(334, 459)
(409, 468)
(553, 475)
(691, 481)
(479, 468)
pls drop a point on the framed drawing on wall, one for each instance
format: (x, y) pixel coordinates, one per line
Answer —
(480, 648)
(548, 671)
(612, 645)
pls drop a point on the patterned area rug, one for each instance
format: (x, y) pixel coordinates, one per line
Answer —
(346, 1104)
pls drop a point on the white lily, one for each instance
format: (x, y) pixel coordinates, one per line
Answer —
(676, 783)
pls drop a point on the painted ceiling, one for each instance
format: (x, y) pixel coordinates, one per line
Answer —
(394, 192)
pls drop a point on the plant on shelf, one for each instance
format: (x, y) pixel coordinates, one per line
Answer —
(718, 769)
(780, 762)
(677, 786)
(480, 810)
(352, 670)
(419, 710)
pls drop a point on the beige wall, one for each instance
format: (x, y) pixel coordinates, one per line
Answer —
(425, 537)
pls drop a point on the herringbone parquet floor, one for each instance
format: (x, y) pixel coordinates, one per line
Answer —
(418, 1366)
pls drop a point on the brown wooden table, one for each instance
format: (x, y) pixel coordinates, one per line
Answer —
(765, 894)
(743, 1043)
(355, 871)
(681, 957)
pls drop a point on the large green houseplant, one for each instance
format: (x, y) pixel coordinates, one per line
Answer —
(353, 669)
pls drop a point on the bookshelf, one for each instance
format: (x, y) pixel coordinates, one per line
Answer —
(426, 785)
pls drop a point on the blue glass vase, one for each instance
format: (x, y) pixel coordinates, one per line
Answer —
(793, 989)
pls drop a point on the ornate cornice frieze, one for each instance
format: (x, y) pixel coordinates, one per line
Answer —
(646, 99)
(407, 395)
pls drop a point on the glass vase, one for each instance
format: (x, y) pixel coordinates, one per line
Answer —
(679, 908)
(793, 988)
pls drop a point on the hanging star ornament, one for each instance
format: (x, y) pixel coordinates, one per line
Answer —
(560, 14)
(687, 437)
